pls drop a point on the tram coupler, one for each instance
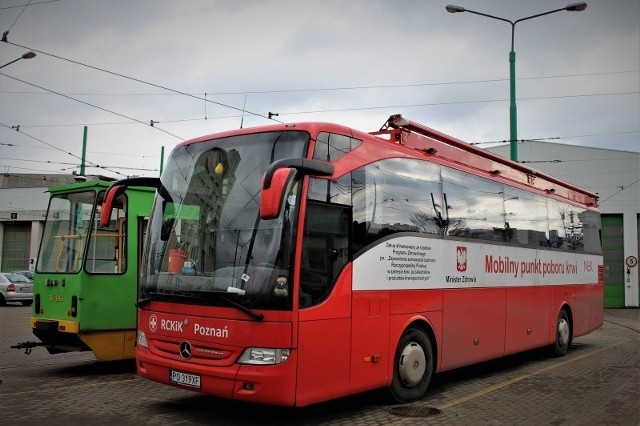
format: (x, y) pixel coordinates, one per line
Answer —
(27, 346)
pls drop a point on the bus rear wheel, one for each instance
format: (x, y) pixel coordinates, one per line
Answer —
(562, 341)
(413, 366)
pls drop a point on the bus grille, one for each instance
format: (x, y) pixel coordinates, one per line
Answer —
(200, 352)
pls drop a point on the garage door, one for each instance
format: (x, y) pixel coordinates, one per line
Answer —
(15, 247)
(613, 252)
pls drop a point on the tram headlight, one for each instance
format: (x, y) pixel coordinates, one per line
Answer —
(264, 356)
(142, 339)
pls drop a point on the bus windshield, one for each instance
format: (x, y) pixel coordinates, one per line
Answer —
(205, 234)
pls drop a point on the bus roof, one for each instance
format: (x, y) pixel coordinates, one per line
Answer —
(435, 143)
(438, 147)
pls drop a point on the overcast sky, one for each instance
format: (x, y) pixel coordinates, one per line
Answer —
(354, 62)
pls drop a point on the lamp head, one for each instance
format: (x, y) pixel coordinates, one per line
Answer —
(453, 9)
(30, 54)
(576, 7)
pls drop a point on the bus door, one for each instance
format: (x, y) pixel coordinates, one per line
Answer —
(325, 303)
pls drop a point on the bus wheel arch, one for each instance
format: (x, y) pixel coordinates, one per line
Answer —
(563, 333)
(414, 364)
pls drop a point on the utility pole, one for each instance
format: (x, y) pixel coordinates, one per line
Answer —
(84, 151)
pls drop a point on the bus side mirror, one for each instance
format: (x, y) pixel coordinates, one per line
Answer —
(275, 180)
(271, 197)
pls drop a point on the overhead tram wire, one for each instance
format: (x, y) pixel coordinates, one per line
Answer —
(117, 123)
(519, 140)
(93, 106)
(28, 4)
(91, 164)
(414, 85)
(143, 157)
(4, 35)
(559, 137)
(355, 109)
(75, 165)
(451, 103)
(379, 86)
(242, 110)
(39, 140)
(624, 187)
(479, 101)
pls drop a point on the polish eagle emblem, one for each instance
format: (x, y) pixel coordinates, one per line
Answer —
(461, 258)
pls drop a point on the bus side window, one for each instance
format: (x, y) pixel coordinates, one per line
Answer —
(474, 207)
(330, 146)
(396, 195)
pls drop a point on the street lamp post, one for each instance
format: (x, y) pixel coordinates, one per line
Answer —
(513, 111)
(27, 55)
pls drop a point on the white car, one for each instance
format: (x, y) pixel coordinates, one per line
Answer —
(15, 288)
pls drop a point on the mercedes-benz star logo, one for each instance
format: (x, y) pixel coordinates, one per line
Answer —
(185, 350)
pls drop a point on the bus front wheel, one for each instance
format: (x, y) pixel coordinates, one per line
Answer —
(562, 341)
(413, 366)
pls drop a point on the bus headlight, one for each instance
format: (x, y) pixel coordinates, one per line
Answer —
(142, 339)
(264, 356)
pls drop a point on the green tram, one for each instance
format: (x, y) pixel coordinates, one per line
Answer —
(86, 278)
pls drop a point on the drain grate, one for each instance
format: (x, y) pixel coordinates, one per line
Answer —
(413, 411)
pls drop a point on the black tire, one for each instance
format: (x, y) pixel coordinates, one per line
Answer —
(3, 301)
(564, 335)
(413, 366)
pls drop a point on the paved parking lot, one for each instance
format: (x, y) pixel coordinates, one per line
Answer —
(597, 383)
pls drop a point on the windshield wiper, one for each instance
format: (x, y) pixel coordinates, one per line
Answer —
(201, 296)
(255, 315)
(157, 296)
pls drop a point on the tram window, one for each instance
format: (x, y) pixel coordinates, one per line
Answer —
(107, 251)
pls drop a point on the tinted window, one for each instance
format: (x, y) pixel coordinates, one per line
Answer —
(527, 216)
(330, 146)
(573, 228)
(331, 191)
(474, 207)
(397, 195)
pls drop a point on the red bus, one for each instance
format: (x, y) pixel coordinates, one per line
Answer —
(297, 263)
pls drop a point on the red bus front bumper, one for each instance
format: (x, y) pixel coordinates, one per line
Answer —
(266, 384)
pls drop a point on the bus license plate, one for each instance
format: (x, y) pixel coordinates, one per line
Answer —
(185, 379)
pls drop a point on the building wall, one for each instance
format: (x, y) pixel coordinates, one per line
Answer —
(614, 175)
